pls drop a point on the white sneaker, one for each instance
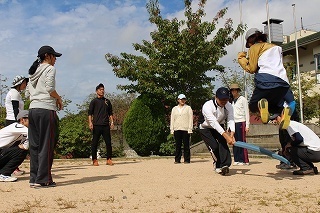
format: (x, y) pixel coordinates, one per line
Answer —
(238, 164)
(4, 178)
(218, 170)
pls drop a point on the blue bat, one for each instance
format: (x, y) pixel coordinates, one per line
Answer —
(261, 150)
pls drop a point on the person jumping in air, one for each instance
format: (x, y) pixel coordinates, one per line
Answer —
(271, 81)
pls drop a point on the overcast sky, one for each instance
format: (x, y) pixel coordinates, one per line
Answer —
(85, 30)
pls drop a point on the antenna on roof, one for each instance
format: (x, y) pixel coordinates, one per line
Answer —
(301, 24)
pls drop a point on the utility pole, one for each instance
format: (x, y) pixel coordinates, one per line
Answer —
(298, 63)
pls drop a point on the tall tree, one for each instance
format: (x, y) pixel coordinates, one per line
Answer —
(178, 56)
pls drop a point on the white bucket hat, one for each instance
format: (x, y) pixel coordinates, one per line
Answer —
(18, 80)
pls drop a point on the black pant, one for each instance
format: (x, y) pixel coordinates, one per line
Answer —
(217, 146)
(43, 136)
(10, 159)
(99, 130)
(182, 136)
(304, 157)
(275, 97)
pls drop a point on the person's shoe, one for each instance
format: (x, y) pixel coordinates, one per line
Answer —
(18, 172)
(285, 118)
(43, 185)
(264, 112)
(304, 172)
(218, 170)
(4, 178)
(238, 163)
(186, 162)
(224, 170)
(284, 166)
(95, 163)
(109, 162)
(177, 162)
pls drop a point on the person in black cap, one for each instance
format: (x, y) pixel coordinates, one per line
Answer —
(213, 130)
(14, 102)
(271, 81)
(43, 119)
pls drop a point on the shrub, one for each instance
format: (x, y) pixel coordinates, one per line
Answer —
(75, 136)
(168, 148)
(144, 126)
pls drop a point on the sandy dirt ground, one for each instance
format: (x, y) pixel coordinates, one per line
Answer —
(159, 185)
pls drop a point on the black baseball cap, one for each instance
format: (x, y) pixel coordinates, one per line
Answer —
(48, 49)
(223, 93)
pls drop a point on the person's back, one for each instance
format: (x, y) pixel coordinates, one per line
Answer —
(41, 84)
(11, 134)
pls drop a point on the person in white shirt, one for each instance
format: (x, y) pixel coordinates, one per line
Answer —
(303, 147)
(14, 102)
(242, 122)
(214, 132)
(13, 146)
(181, 125)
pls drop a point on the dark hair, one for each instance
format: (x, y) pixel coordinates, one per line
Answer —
(100, 85)
(258, 36)
(35, 64)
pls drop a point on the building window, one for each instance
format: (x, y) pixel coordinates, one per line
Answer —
(317, 60)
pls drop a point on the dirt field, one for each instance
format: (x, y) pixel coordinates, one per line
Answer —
(159, 185)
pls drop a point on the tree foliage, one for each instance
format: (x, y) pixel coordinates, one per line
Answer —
(144, 126)
(178, 56)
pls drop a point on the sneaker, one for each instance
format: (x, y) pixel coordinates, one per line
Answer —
(247, 164)
(177, 162)
(18, 172)
(224, 170)
(284, 166)
(218, 170)
(4, 178)
(109, 162)
(304, 172)
(285, 118)
(95, 163)
(264, 113)
(238, 164)
(43, 185)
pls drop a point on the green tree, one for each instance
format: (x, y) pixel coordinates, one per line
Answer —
(178, 57)
(144, 126)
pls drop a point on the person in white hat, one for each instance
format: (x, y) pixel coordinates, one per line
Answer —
(13, 146)
(271, 81)
(181, 125)
(242, 122)
(14, 102)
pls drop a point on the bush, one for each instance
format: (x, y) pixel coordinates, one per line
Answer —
(74, 137)
(168, 148)
(144, 126)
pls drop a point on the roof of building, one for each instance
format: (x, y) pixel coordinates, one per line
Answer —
(302, 41)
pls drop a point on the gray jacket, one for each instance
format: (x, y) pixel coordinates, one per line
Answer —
(40, 85)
